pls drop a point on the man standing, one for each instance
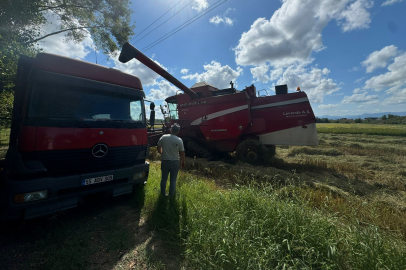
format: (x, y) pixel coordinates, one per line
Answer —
(171, 147)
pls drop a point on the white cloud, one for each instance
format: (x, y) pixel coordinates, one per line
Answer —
(216, 75)
(361, 98)
(391, 2)
(135, 67)
(184, 71)
(312, 80)
(259, 73)
(395, 77)
(356, 16)
(358, 90)
(398, 97)
(327, 106)
(217, 20)
(229, 10)
(165, 90)
(58, 44)
(200, 5)
(294, 31)
(359, 80)
(394, 81)
(379, 59)
(276, 73)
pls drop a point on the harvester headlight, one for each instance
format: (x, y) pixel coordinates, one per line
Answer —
(31, 196)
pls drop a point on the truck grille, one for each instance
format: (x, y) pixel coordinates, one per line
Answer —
(82, 161)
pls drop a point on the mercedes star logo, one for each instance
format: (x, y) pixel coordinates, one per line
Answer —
(99, 150)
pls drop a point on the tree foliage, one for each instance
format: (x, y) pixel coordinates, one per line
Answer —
(6, 107)
(107, 21)
(22, 22)
(9, 56)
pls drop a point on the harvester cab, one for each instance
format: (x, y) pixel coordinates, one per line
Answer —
(217, 120)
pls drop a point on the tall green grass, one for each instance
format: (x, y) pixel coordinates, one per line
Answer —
(368, 129)
(263, 227)
(4, 140)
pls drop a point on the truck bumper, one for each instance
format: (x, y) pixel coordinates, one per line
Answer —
(64, 192)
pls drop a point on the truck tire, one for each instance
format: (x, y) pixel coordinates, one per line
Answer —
(254, 152)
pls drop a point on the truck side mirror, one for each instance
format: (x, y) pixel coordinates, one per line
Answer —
(152, 119)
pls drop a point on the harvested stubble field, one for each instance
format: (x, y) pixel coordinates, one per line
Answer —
(340, 205)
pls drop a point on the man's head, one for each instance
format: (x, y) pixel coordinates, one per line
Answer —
(175, 129)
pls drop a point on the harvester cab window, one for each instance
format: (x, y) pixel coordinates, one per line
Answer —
(173, 111)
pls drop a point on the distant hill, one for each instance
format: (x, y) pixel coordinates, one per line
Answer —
(362, 116)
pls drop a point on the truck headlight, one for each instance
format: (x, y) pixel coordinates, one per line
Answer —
(31, 196)
(140, 175)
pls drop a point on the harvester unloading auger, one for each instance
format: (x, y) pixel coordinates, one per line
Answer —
(216, 121)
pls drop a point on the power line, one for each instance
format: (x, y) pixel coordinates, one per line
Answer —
(105, 60)
(185, 24)
(164, 22)
(180, 27)
(156, 20)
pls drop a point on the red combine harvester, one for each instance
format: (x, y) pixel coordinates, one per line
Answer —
(77, 128)
(225, 120)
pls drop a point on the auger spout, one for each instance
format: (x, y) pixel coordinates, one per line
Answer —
(129, 52)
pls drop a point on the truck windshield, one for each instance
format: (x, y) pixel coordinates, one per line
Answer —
(51, 101)
(173, 110)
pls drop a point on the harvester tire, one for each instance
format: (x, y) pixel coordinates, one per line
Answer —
(271, 150)
(252, 151)
(195, 149)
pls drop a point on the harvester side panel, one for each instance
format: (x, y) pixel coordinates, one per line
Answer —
(218, 118)
(289, 119)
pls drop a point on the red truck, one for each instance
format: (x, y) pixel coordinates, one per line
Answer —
(77, 128)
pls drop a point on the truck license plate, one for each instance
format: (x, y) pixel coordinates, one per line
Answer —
(97, 180)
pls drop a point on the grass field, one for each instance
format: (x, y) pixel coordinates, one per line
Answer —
(4, 139)
(368, 129)
(340, 205)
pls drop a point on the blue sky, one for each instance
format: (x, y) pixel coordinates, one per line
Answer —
(349, 56)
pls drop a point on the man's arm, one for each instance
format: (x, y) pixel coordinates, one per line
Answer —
(159, 148)
(182, 158)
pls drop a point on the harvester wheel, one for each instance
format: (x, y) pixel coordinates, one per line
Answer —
(195, 149)
(271, 150)
(252, 151)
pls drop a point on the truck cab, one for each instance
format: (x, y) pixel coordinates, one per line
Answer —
(77, 128)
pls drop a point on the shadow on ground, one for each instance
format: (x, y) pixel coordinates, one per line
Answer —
(168, 221)
(96, 235)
